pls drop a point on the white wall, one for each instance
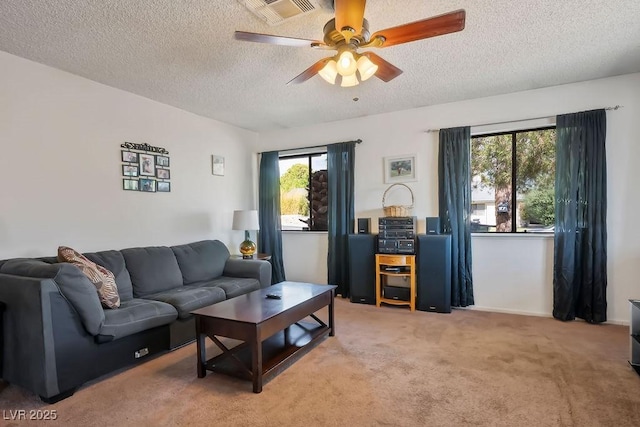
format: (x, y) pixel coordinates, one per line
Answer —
(510, 273)
(305, 256)
(60, 169)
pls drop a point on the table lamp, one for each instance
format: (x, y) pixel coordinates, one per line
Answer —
(246, 220)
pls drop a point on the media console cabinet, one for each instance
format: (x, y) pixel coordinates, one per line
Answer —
(390, 267)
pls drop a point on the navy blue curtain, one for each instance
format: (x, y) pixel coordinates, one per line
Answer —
(341, 214)
(270, 236)
(454, 194)
(580, 250)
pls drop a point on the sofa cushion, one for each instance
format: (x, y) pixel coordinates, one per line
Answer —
(232, 286)
(152, 270)
(188, 298)
(201, 261)
(136, 315)
(114, 262)
(73, 285)
(103, 279)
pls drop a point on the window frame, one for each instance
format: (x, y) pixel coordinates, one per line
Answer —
(309, 155)
(514, 170)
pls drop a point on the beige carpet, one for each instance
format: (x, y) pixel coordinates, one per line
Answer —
(385, 366)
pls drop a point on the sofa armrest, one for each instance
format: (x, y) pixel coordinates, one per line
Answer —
(29, 358)
(69, 281)
(249, 268)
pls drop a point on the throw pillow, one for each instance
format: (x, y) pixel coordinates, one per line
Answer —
(102, 279)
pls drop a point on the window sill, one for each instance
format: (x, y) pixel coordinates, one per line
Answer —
(514, 235)
(303, 232)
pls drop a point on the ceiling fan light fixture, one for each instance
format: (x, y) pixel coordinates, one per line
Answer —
(349, 81)
(346, 64)
(329, 72)
(366, 67)
(348, 32)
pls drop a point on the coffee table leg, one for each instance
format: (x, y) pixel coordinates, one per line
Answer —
(332, 328)
(256, 363)
(201, 350)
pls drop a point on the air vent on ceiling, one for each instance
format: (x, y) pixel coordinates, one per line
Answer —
(275, 12)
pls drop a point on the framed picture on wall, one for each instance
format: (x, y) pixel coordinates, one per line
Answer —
(147, 165)
(164, 187)
(130, 170)
(129, 156)
(162, 161)
(148, 185)
(217, 165)
(162, 173)
(400, 168)
(130, 184)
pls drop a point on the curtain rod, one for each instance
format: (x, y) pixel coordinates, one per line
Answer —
(357, 141)
(521, 120)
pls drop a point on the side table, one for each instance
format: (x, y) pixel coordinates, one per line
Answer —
(634, 332)
(263, 257)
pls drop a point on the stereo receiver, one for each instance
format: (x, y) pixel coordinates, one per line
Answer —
(396, 235)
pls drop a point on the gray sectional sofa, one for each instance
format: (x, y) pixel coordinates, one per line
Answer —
(56, 335)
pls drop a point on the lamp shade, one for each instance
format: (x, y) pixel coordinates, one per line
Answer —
(366, 67)
(346, 65)
(245, 220)
(348, 81)
(329, 72)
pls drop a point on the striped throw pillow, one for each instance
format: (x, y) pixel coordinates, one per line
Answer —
(102, 278)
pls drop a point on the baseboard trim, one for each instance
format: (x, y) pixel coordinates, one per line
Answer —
(532, 313)
(507, 311)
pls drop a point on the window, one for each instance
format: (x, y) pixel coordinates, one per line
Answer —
(512, 181)
(303, 192)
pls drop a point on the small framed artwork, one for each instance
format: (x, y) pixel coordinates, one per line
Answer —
(217, 165)
(147, 165)
(129, 156)
(162, 174)
(130, 184)
(162, 161)
(130, 170)
(148, 185)
(400, 168)
(164, 187)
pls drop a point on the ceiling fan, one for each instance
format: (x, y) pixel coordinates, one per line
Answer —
(348, 32)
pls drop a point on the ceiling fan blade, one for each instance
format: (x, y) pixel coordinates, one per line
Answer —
(349, 13)
(279, 40)
(386, 70)
(309, 72)
(431, 27)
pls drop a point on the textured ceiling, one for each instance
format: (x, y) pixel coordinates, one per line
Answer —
(183, 53)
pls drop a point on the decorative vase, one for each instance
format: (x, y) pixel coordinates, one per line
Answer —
(247, 249)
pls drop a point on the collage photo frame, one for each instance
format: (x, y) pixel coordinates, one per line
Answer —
(145, 168)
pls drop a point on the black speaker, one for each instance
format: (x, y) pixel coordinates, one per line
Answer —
(362, 268)
(433, 266)
(397, 293)
(364, 225)
(433, 225)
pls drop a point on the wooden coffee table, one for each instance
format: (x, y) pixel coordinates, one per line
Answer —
(273, 333)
